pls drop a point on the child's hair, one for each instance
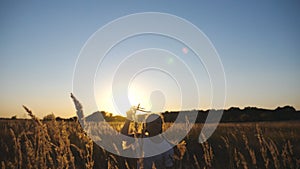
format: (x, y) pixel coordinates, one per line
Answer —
(154, 118)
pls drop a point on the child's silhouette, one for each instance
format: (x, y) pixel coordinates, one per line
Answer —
(153, 142)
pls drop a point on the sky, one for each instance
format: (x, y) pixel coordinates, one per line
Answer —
(257, 42)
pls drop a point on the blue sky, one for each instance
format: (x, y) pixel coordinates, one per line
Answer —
(258, 44)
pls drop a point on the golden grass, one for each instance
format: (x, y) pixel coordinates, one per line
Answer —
(63, 144)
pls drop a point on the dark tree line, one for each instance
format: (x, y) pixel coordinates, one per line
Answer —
(233, 114)
(248, 114)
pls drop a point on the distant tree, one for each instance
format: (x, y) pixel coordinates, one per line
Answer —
(234, 109)
(244, 117)
(59, 119)
(286, 108)
(14, 117)
(103, 114)
(74, 118)
(49, 117)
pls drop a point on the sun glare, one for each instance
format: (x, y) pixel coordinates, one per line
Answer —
(136, 96)
(133, 98)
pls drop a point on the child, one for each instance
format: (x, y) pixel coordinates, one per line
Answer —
(153, 143)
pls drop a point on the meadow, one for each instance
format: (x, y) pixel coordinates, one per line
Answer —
(36, 143)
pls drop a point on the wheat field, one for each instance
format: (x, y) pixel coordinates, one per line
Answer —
(36, 143)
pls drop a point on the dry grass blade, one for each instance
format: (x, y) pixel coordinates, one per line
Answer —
(79, 110)
(32, 115)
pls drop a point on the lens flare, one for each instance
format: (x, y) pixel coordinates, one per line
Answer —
(185, 50)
